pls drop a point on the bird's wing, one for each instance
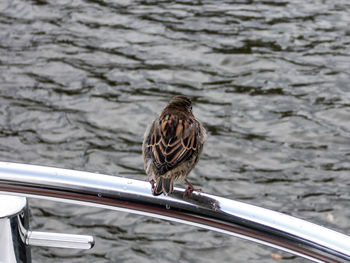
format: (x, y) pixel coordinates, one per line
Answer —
(172, 140)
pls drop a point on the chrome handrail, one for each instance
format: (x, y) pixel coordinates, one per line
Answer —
(246, 221)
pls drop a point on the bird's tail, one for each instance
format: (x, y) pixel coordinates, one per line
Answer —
(163, 185)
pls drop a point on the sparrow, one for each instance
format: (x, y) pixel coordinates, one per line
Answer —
(172, 146)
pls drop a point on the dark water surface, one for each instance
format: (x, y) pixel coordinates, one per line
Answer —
(80, 81)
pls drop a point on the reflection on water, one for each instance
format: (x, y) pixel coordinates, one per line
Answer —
(80, 81)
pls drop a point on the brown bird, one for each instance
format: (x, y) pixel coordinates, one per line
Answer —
(172, 146)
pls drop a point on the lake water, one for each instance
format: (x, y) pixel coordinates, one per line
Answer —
(270, 80)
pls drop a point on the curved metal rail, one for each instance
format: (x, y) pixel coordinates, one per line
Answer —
(211, 212)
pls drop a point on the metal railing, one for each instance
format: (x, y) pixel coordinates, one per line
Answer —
(249, 222)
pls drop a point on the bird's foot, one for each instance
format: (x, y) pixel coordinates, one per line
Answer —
(190, 189)
(153, 183)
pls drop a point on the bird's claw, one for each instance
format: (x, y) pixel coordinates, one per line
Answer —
(152, 182)
(190, 189)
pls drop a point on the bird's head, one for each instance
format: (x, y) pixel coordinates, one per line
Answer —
(180, 102)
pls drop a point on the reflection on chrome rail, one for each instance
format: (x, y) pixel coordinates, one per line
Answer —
(242, 220)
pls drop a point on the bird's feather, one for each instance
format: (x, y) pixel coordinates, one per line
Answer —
(172, 140)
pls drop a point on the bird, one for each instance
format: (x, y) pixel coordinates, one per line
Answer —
(172, 146)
